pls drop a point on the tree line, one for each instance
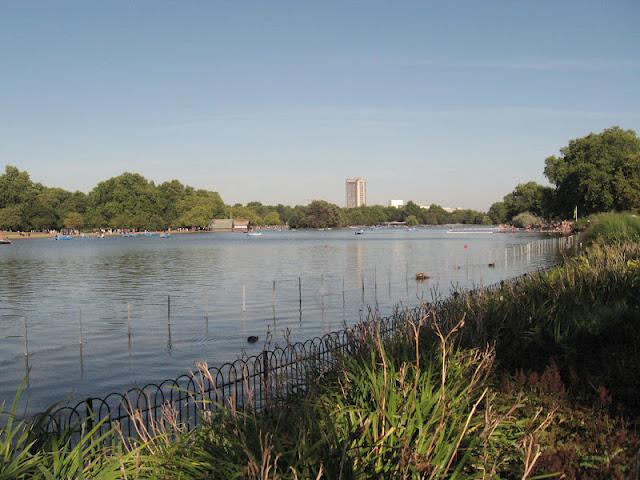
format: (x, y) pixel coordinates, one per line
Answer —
(130, 201)
(596, 173)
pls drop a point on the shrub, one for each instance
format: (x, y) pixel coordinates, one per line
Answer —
(527, 220)
(613, 228)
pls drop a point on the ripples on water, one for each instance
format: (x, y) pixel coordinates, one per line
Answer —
(116, 285)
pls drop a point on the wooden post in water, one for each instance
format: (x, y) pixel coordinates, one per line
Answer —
(300, 294)
(26, 338)
(129, 320)
(273, 302)
(244, 298)
(168, 309)
(80, 323)
(375, 284)
(363, 287)
(206, 314)
(343, 302)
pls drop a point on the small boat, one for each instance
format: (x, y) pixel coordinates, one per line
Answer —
(254, 234)
(165, 235)
(63, 237)
(5, 241)
(360, 232)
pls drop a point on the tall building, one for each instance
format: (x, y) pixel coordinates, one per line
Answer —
(396, 203)
(356, 192)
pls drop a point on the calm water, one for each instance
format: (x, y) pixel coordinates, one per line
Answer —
(117, 286)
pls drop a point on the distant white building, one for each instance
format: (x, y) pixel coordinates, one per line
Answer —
(396, 203)
(356, 192)
(451, 209)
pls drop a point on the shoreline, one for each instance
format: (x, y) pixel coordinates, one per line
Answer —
(552, 229)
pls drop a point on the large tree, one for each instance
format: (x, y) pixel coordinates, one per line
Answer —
(596, 173)
(321, 214)
(528, 197)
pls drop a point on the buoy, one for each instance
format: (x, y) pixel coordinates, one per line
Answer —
(252, 339)
(420, 276)
(492, 265)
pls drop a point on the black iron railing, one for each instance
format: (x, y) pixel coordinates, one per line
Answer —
(255, 383)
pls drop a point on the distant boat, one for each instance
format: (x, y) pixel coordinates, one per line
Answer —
(165, 235)
(254, 234)
(360, 232)
(63, 237)
(5, 241)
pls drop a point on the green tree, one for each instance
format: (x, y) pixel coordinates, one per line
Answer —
(11, 218)
(199, 207)
(298, 217)
(597, 173)
(321, 214)
(528, 197)
(412, 220)
(526, 219)
(16, 187)
(272, 218)
(74, 220)
(498, 213)
(170, 194)
(126, 200)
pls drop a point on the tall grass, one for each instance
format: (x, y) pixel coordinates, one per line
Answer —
(584, 316)
(612, 228)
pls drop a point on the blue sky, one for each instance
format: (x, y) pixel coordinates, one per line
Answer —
(441, 102)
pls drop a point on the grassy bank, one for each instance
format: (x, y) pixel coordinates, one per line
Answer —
(534, 379)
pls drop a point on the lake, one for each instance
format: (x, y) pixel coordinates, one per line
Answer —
(105, 314)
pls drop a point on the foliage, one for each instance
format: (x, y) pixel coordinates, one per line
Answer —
(612, 228)
(583, 315)
(527, 220)
(411, 220)
(321, 214)
(126, 201)
(597, 173)
(528, 197)
(498, 213)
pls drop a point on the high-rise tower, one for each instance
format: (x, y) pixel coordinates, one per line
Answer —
(356, 192)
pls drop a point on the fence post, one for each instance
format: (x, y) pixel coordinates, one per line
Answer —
(265, 379)
(89, 413)
(244, 298)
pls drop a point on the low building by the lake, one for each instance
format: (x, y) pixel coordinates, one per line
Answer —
(229, 225)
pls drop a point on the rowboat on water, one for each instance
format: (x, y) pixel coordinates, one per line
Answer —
(5, 241)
